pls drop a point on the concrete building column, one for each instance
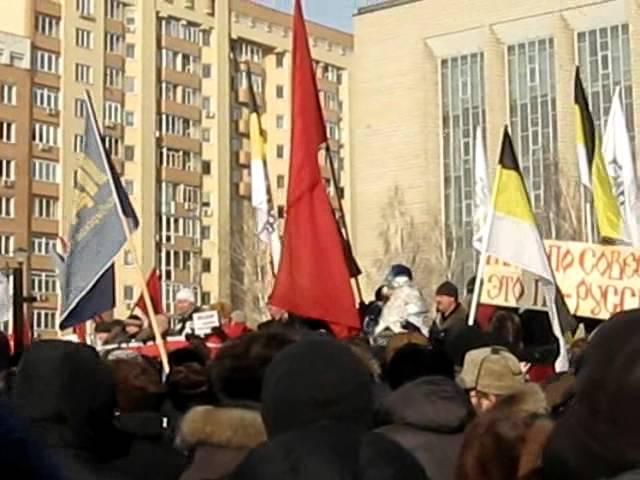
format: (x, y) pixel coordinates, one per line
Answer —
(496, 95)
(633, 14)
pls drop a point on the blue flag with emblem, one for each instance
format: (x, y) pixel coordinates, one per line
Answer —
(102, 221)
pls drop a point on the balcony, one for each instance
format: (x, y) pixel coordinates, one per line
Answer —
(244, 189)
(244, 158)
(243, 126)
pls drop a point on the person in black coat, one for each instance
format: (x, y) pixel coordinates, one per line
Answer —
(66, 395)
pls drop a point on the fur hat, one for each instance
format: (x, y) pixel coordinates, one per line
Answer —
(138, 386)
(447, 289)
(492, 370)
(186, 295)
(315, 381)
(415, 361)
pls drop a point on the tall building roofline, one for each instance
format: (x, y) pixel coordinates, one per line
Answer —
(279, 17)
(383, 5)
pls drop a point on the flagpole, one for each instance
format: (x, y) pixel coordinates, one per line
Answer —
(334, 179)
(164, 358)
(588, 216)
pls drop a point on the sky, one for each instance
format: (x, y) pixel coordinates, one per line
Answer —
(334, 13)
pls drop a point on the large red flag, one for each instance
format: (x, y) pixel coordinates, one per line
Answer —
(155, 292)
(313, 278)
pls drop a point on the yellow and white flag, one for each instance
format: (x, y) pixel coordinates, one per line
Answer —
(513, 235)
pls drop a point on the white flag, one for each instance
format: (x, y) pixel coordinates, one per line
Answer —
(617, 153)
(481, 195)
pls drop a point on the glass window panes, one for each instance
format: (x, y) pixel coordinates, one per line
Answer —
(43, 282)
(7, 131)
(532, 110)
(44, 170)
(45, 61)
(84, 38)
(45, 207)
(8, 93)
(45, 134)
(44, 320)
(43, 244)
(462, 99)
(48, 25)
(46, 97)
(7, 207)
(6, 244)
(7, 169)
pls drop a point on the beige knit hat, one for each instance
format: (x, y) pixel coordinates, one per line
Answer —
(492, 370)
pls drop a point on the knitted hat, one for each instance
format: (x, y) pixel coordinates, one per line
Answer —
(186, 294)
(314, 381)
(447, 289)
(492, 370)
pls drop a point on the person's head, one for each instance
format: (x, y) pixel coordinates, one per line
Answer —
(185, 301)
(238, 316)
(414, 361)
(399, 340)
(102, 331)
(382, 294)
(398, 275)
(489, 374)
(315, 381)
(446, 297)
(188, 386)
(506, 328)
(502, 445)
(238, 370)
(362, 349)
(138, 385)
(133, 325)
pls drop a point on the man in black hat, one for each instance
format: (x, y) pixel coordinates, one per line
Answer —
(452, 315)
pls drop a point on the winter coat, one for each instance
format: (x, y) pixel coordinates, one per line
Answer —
(406, 304)
(67, 396)
(428, 418)
(454, 322)
(151, 452)
(219, 439)
(330, 451)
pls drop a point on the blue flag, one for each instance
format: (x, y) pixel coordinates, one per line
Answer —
(97, 232)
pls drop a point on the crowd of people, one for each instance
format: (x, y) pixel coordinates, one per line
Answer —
(409, 398)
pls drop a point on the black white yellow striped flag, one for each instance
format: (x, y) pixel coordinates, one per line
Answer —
(593, 170)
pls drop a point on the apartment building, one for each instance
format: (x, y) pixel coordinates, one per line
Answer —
(168, 80)
(426, 74)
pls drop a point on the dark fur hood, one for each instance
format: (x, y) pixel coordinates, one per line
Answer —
(226, 427)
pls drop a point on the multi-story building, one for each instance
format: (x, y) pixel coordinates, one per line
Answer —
(169, 82)
(426, 74)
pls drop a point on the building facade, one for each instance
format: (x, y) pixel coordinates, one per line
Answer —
(169, 83)
(427, 74)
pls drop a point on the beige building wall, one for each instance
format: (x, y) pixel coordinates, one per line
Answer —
(396, 104)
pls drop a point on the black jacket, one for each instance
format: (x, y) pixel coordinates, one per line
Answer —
(428, 418)
(67, 396)
(151, 452)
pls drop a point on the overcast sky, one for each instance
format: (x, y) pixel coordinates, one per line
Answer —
(335, 13)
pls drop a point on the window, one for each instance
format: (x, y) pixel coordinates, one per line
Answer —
(131, 50)
(114, 42)
(280, 151)
(113, 145)
(112, 112)
(280, 121)
(45, 134)
(44, 170)
(176, 125)
(532, 108)
(246, 51)
(84, 73)
(78, 143)
(6, 244)
(129, 118)
(205, 38)
(80, 108)
(85, 7)
(7, 207)
(7, 169)
(604, 56)
(331, 73)
(84, 38)
(206, 135)
(206, 265)
(7, 93)
(7, 132)
(130, 84)
(280, 181)
(44, 61)
(279, 91)
(129, 153)
(190, 96)
(206, 167)
(115, 9)
(129, 260)
(46, 97)
(330, 100)
(462, 97)
(45, 207)
(168, 58)
(280, 60)
(43, 282)
(129, 187)
(168, 91)
(333, 131)
(113, 77)
(206, 70)
(42, 244)
(48, 25)
(206, 298)
(281, 211)
(44, 319)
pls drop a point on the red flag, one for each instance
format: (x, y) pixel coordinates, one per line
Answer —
(313, 278)
(155, 292)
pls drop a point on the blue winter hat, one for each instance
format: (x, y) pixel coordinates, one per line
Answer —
(399, 270)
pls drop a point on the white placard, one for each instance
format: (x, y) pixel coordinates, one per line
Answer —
(203, 322)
